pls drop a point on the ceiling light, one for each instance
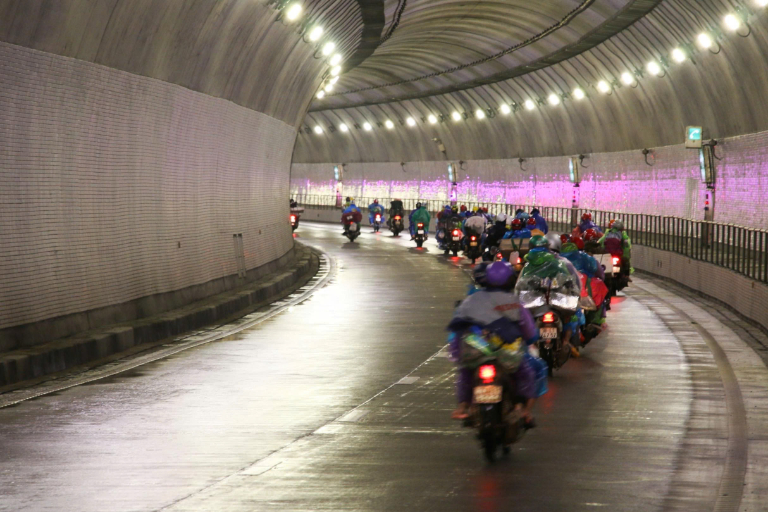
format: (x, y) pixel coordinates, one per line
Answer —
(389, 124)
(328, 48)
(704, 41)
(432, 119)
(678, 55)
(318, 130)
(333, 80)
(654, 68)
(411, 121)
(603, 87)
(367, 126)
(456, 116)
(343, 127)
(336, 71)
(480, 114)
(320, 95)
(627, 78)
(554, 99)
(315, 33)
(731, 22)
(578, 93)
(761, 3)
(530, 105)
(328, 87)
(505, 109)
(335, 60)
(293, 12)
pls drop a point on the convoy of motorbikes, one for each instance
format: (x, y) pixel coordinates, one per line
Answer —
(537, 299)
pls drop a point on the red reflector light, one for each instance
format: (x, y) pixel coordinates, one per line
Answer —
(548, 318)
(293, 218)
(455, 232)
(487, 373)
(616, 260)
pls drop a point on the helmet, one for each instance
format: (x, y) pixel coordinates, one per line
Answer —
(516, 224)
(479, 274)
(518, 211)
(375, 201)
(454, 208)
(535, 211)
(538, 241)
(555, 245)
(418, 205)
(578, 241)
(531, 221)
(610, 223)
(485, 209)
(586, 216)
(499, 274)
(502, 217)
(475, 209)
(618, 225)
(591, 235)
(523, 216)
(463, 207)
(565, 238)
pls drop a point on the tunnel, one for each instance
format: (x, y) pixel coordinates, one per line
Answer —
(200, 309)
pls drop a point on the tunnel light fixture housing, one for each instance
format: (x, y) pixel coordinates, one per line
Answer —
(578, 93)
(293, 12)
(319, 130)
(328, 87)
(529, 104)
(627, 78)
(679, 55)
(336, 71)
(705, 41)
(328, 48)
(389, 124)
(316, 33)
(343, 127)
(553, 99)
(410, 121)
(335, 60)
(654, 68)
(432, 119)
(320, 95)
(367, 126)
(456, 116)
(505, 109)
(603, 87)
(732, 22)
(480, 113)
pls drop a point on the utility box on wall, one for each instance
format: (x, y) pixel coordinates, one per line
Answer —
(574, 171)
(694, 137)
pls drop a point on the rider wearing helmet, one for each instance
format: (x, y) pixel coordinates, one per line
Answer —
(419, 215)
(497, 231)
(497, 311)
(518, 229)
(463, 211)
(586, 223)
(555, 246)
(541, 222)
(617, 242)
(373, 209)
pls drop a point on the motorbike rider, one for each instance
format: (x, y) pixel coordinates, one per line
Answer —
(592, 241)
(497, 231)
(351, 214)
(517, 230)
(594, 276)
(463, 211)
(420, 214)
(496, 309)
(541, 222)
(616, 241)
(586, 223)
(373, 209)
(474, 225)
(294, 204)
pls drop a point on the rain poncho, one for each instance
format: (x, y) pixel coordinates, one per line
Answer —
(475, 225)
(583, 262)
(541, 223)
(545, 272)
(420, 215)
(617, 242)
(352, 207)
(372, 209)
(396, 206)
(520, 233)
(588, 224)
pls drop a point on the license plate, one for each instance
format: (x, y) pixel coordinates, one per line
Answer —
(548, 333)
(487, 394)
(617, 270)
(353, 227)
(421, 231)
(473, 244)
(456, 239)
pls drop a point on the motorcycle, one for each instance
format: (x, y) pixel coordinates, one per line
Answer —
(474, 250)
(352, 230)
(550, 345)
(616, 274)
(396, 224)
(496, 410)
(376, 222)
(452, 241)
(294, 221)
(420, 234)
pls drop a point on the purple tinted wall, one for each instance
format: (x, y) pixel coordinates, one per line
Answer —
(621, 182)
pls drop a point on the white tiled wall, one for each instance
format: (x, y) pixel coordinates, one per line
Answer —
(115, 186)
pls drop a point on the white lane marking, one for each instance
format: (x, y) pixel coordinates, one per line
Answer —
(407, 380)
(354, 416)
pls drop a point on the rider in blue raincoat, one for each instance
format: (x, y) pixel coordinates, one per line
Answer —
(541, 222)
(374, 208)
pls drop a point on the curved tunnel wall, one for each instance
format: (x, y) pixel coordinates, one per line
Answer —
(620, 181)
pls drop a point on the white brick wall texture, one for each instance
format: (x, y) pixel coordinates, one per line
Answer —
(620, 181)
(115, 186)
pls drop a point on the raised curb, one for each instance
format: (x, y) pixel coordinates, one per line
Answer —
(59, 355)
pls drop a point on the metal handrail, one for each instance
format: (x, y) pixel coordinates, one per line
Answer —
(741, 249)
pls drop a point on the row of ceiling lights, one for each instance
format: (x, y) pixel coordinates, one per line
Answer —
(706, 41)
(292, 12)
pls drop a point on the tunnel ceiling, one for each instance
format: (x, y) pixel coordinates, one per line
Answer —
(424, 67)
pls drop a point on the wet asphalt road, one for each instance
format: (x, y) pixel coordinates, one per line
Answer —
(305, 412)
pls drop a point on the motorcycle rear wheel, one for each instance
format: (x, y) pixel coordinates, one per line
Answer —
(489, 445)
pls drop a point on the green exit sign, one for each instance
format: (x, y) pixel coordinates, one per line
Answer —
(693, 136)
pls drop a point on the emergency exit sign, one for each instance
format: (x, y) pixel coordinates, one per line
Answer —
(693, 136)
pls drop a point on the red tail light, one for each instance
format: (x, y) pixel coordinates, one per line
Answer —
(397, 217)
(616, 261)
(473, 238)
(293, 219)
(499, 256)
(487, 373)
(548, 318)
(378, 218)
(519, 261)
(420, 225)
(455, 232)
